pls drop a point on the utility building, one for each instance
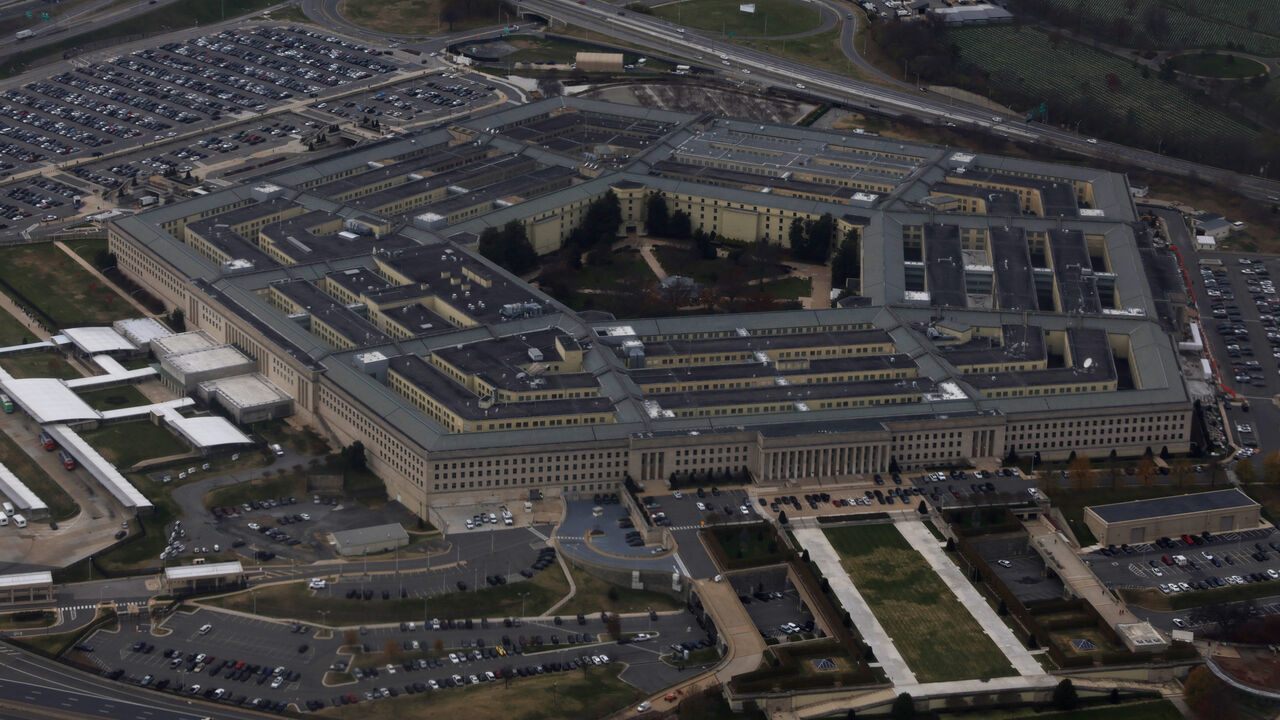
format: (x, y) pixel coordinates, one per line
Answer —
(1142, 521)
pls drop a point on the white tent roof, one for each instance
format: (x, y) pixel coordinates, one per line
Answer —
(94, 340)
(98, 467)
(18, 492)
(206, 431)
(141, 331)
(48, 400)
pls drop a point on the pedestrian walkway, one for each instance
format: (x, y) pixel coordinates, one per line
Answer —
(924, 543)
(873, 633)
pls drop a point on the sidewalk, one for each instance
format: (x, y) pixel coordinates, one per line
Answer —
(821, 552)
(924, 543)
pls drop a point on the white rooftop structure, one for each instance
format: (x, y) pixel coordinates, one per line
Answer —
(193, 572)
(215, 358)
(103, 471)
(182, 342)
(16, 580)
(20, 494)
(47, 400)
(141, 331)
(205, 431)
(123, 375)
(94, 340)
(244, 391)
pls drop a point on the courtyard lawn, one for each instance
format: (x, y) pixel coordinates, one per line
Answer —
(44, 276)
(127, 444)
(113, 398)
(40, 365)
(936, 635)
(295, 601)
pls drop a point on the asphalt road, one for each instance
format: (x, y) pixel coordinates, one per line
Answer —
(767, 70)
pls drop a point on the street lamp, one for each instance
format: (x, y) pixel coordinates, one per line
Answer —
(523, 597)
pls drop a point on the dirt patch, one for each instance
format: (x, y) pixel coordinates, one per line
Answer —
(1258, 671)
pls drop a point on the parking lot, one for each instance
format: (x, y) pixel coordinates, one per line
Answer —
(1020, 568)
(272, 664)
(161, 92)
(420, 101)
(1226, 556)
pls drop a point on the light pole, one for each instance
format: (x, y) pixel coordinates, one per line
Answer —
(523, 597)
(323, 615)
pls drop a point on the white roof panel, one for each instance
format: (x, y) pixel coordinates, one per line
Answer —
(208, 431)
(141, 331)
(48, 400)
(43, 577)
(190, 572)
(18, 492)
(93, 340)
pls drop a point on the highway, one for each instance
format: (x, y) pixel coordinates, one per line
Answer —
(33, 688)
(769, 71)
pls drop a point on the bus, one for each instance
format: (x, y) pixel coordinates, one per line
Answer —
(47, 440)
(67, 461)
(6, 403)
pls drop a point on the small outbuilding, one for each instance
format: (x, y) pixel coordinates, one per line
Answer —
(370, 540)
(599, 62)
(212, 577)
(26, 588)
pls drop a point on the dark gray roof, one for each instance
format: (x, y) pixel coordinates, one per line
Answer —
(1174, 505)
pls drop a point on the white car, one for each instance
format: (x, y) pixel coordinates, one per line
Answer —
(702, 506)
(1005, 563)
(316, 584)
(644, 706)
(453, 658)
(1179, 623)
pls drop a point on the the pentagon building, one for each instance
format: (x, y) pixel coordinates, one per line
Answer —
(1003, 304)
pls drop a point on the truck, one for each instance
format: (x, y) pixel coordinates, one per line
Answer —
(1180, 560)
(19, 521)
(24, 34)
(68, 462)
(6, 403)
(47, 440)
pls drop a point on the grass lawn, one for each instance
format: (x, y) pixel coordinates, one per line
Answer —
(592, 596)
(13, 332)
(127, 444)
(1073, 502)
(589, 693)
(40, 365)
(928, 624)
(1219, 66)
(61, 506)
(791, 288)
(681, 261)
(11, 621)
(821, 50)
(553, 50)
(303, 442)
(625, 269)
(421, 17)
(112, 398)
(748, 545)
(295, 601)
(88, 249)
(771, 18)
(292, 484)
(1144, 710)
(58, 287)
(1153, 599)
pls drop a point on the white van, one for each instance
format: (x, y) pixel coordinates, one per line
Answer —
(8, 508)
(19, 521)
(4, 520)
